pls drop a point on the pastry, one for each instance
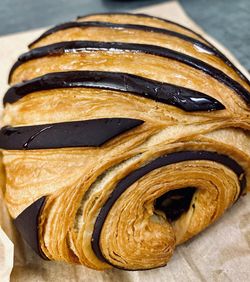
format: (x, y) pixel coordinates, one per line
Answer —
(124, 136)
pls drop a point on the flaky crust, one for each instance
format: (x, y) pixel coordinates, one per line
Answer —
(100, 202)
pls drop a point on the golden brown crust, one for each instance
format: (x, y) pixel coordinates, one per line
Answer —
(133, 35)
(141, 20)
(79, 182)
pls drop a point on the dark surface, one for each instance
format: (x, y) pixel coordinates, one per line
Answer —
(27, 224)
(87, 133)
(226, 20)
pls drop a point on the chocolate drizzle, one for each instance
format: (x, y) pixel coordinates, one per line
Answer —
(96, 132)
(146, 28)
(27, 223)
(81, 46)
(165, 160)
(88, 133)
(184, 98)
(216, 51)
(146, 16)
(206, 47)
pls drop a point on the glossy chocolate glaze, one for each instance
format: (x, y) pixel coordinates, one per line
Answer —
(206, 47)
(27, 223)
(216, 51)
(168, 159)
(88, 133)
(81, 46)
(183, 98)
(146, 28)
(145, 16)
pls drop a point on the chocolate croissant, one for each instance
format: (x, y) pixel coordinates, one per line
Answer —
(124, 136)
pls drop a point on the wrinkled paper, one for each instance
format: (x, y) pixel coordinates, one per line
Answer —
(6, 256)
(220, 253)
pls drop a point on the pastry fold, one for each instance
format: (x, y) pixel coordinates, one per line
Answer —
(124, 136)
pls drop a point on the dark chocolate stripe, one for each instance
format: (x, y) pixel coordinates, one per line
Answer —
(88, 133)
(146, 16)
(79, 46)
(165, 160)
(146, 28)
(27, 223)
(125, 26)
(216, 50)
(184, 98)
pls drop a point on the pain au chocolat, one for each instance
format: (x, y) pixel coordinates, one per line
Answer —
(124, 136)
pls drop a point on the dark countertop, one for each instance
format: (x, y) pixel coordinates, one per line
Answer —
(226, 20)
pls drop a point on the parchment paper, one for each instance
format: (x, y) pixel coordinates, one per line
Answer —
(221, 253)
